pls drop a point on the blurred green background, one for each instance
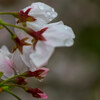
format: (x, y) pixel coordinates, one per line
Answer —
(75, 71)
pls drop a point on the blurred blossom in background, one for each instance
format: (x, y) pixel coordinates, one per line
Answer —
(75, 71)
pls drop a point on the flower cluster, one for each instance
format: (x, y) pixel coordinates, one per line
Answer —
(35, 38)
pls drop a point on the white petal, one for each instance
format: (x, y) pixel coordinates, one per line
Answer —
(22, 34)
(4, 50)
(59, 35)
(4, 67)
(36, 25)
(43, 13)
(27, 50)
(69, 42)
(33, 59)
(42, 54)
(19, 65)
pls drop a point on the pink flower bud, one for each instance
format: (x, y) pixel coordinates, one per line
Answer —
(40, 73)
(38, 93)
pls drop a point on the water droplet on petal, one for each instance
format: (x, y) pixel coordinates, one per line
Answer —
(53, 10)
(66, 28)
(41, 7)
(69, 42)
(54, 15)
(48, 13)
(49, 16)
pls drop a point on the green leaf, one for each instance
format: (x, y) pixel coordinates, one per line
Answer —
(1, 27)
(1, 20)
(1, 74)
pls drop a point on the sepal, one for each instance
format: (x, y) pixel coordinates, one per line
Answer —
(24, 17)
(20, 43)
(36, 35)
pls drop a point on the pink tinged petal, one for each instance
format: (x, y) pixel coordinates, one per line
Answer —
(39, 93)
(41, 55)
(19, 65)
(6, 63)
(45, 72)
(59, 35)
(43, 13)
(43, 95)
(6, 67)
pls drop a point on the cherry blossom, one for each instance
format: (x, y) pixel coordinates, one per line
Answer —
(9, 65)
(56, 35)
(43, 14)
(36, 39)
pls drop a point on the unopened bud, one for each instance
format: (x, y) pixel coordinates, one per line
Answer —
(38, 93)
(40, 73)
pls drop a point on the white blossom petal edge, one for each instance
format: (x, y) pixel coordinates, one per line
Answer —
(43, 14)
(57, 35)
